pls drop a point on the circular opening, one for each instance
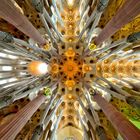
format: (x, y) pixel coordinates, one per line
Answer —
(77, 89)
(77, 47)
(63, 32)
(91, 75)
(75, 77)
(91, 61)
(61, 73)
(63, 47)
(63, 89)
(61, 63)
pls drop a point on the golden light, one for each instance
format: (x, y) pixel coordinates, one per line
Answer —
(70, 96)
(105, 61)
(86, 68)
(37, 68)
(70, 2)
(98, 68)
(55, 68)
(113, 68)
(92, 46)
(70, 52)
(70, 19)
(47, 47)
(70, 40)
(70, 84)
(70, 26)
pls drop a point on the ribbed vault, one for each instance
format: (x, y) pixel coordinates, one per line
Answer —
(69, 69)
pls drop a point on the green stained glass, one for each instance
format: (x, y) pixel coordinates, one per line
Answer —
(47, 91)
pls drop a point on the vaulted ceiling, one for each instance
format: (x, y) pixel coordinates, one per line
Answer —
(69, 69)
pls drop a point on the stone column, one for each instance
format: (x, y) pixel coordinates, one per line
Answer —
(127, 130)
(10, 130)
(10, 13)
(125, 14)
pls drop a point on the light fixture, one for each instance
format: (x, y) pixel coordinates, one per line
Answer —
(37, 68)
(70, 96)
(42, 68)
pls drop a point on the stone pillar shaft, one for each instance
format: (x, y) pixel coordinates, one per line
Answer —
(9, 131)
(10, 13)
(127, 130)
(125, 14)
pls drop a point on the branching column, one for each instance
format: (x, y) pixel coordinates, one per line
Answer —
(9, 131)
(127, 130)
(126, 13)
(10, 13)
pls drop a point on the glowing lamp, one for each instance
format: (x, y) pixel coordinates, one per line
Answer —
(70, 96)
(37, 68)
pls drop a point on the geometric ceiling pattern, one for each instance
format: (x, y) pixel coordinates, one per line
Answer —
(69, 70)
